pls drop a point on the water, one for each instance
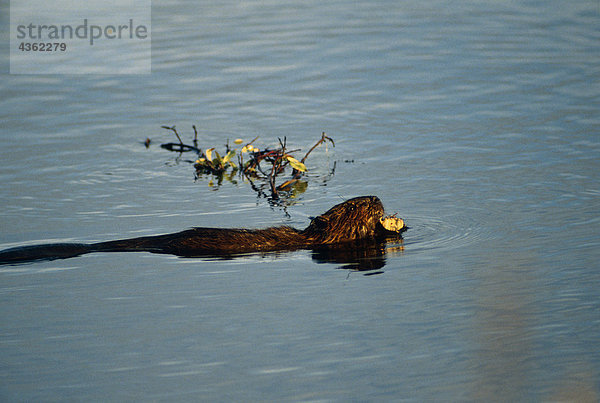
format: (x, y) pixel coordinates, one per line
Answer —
(476, 121)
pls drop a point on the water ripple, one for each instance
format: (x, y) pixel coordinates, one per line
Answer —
(428, 233)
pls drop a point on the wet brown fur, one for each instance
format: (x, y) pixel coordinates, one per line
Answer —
(353, 220)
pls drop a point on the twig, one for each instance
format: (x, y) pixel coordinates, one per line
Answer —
(279, 159)
(180, 147)
(275, 169)
(174, 131)
(321, 141)
(241, 155)
(253, 140)
(297, 174)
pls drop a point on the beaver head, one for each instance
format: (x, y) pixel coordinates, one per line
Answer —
(354, 219)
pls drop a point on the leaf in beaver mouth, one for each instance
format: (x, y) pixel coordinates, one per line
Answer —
(392, 223)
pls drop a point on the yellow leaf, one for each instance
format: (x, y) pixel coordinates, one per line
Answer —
(297, 165)
(238, 141)
(208, 154)
(229, 155)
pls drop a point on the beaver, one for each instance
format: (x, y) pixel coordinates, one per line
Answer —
(354, 221)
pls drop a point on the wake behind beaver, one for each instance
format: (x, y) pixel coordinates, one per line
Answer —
(353, 221)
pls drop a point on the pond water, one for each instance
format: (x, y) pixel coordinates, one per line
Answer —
(477, 122)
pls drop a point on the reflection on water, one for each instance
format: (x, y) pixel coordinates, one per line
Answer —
(364, 257)
(511, 327)
(506, 330)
